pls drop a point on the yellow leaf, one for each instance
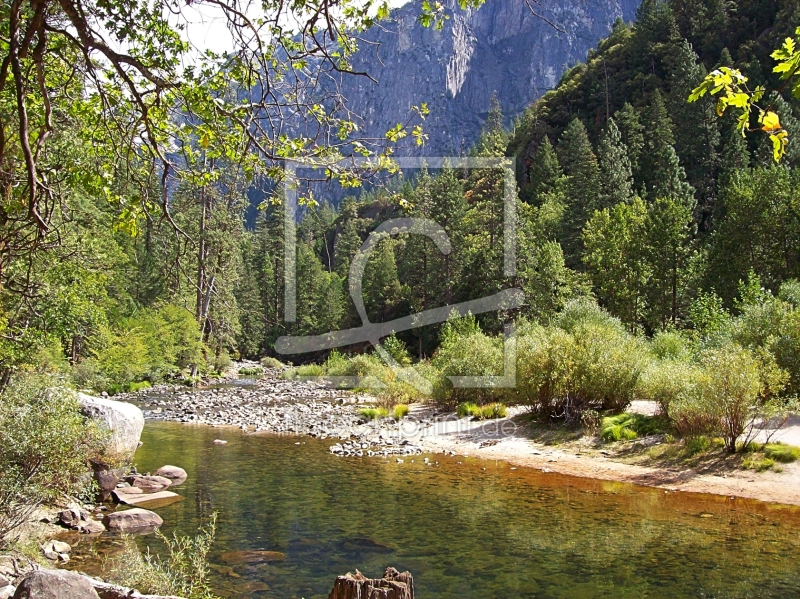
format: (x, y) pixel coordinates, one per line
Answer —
(770, 121)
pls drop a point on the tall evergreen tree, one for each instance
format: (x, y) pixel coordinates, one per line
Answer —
(697, 134)
(544, 172)
(582, 187)
(616, 259)
(616, 179)
(664, 176)
(632, 134)
(668, 238)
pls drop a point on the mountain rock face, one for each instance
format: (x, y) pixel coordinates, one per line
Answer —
(501, 48)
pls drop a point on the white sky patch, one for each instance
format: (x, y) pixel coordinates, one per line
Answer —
(206, 27)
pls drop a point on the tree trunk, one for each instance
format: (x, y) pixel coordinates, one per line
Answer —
(393, 585)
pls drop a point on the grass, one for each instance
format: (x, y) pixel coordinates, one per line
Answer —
(130, 387)
(752, 462)
(270, 362)
(305, 370)
(400, 411)
(373, 413)
(467, 409)
(184, 570)
(487, 412)
(624, 427)
(251, 371)
(781, 453)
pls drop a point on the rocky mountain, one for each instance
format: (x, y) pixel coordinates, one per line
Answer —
(501, 48)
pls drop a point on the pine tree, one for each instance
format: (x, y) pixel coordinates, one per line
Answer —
(582, 187)
(632, 134)
(615, 168)
(663, 175)
(616, 259)
(668, 238)
(544, 172)
(697, 135)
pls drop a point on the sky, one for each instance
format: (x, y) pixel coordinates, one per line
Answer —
(206, 30)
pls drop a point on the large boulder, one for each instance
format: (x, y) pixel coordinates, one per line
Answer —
(124, 421)
(55, 584)
(133, 520)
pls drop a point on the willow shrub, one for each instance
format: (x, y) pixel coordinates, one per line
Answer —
(465, 350)
(587, 363)
(45, 448)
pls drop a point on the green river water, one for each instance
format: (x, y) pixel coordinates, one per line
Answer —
(466, 529)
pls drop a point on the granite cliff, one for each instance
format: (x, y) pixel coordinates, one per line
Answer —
(501, 48)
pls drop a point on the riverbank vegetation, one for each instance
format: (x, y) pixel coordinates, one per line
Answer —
(656, 246)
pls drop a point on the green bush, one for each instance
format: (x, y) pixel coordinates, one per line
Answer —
(400, 411)
(590, 365)
(251, 371)
(373, 413)
(45, 449)
(467, 408)
(729, 388)
(466, 351)
(492, 411)
(629, 426)
(781, 453)
(668, 381)
(269, 362)
(184, 572)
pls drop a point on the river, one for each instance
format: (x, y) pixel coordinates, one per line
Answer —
(466, 528)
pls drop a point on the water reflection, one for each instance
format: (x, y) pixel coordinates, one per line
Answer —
(466, 529)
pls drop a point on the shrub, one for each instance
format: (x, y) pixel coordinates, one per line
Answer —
(730, 387)
(397, 350)
(669, 345)
(251, 371)
(492, 411)
(669, 381)
(184, 572)
(781, 453)
(269, 362)
(45, 448)
(594, 365)
(694, 417)
(400, 411)
(466, 351)
(373, 413)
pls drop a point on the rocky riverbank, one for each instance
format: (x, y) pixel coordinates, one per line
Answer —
(273, 405)
(270, 404)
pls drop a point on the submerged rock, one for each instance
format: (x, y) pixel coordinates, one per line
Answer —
(133, 520)
(251, 557)
(173, 473)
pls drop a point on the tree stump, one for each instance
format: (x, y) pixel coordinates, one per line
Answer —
(393, 585)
